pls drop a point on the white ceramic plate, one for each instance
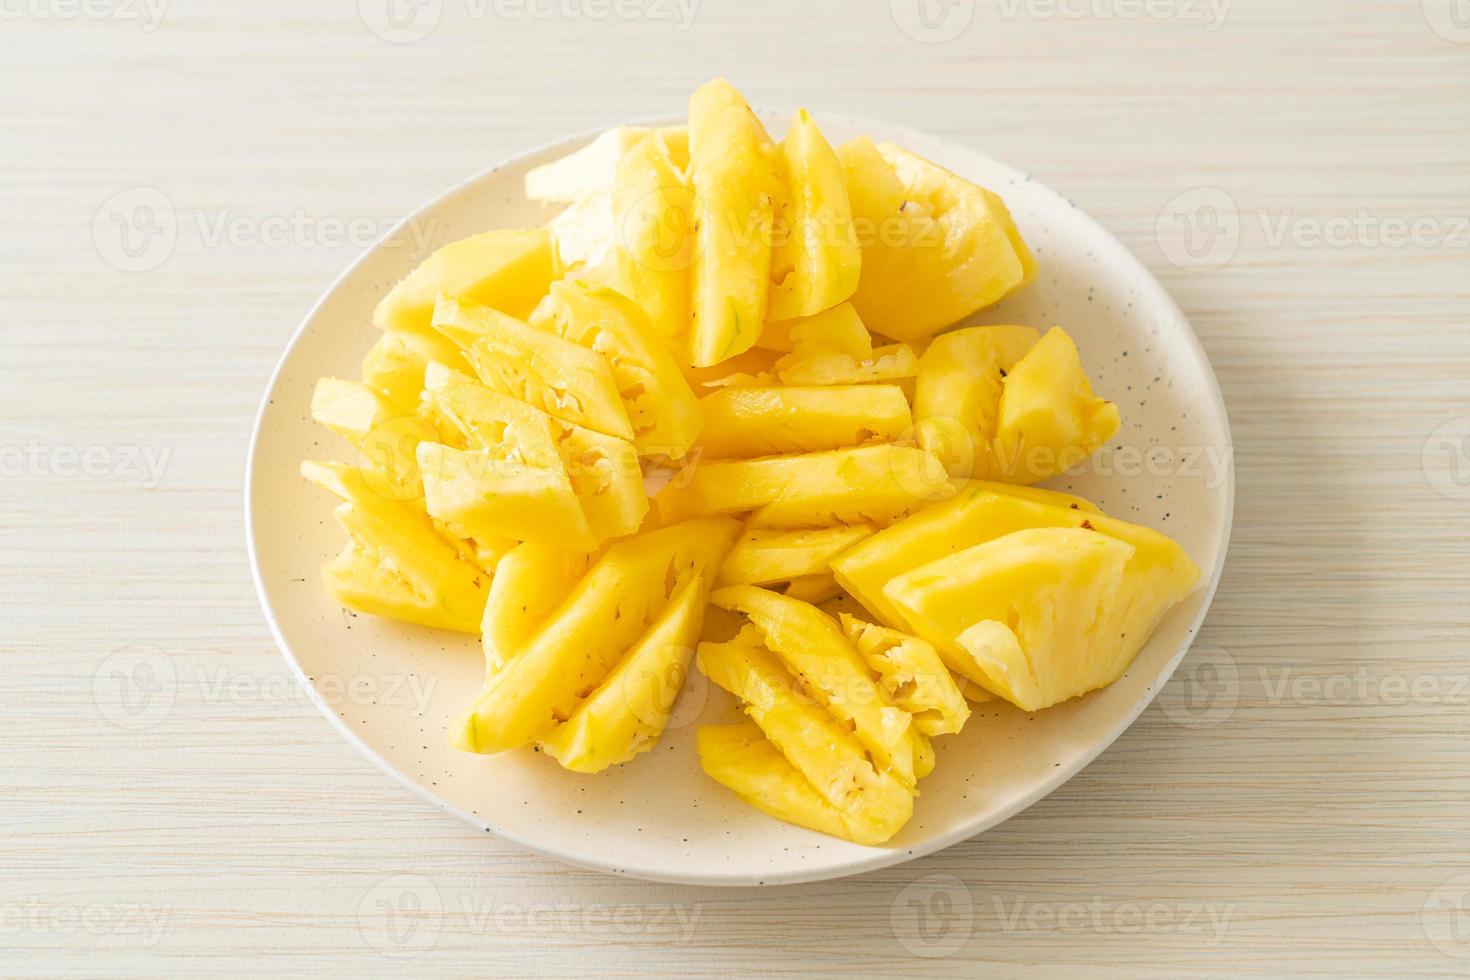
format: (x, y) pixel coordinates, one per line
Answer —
(392, 689)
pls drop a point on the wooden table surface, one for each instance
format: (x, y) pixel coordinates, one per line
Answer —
(1298, 175)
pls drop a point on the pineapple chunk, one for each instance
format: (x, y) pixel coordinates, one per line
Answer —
(589, 170)
(660, 405)
(892, 362)
(573, 651)
(744, 422)
(583, 235)
(865, 485)
(743, 760)
(395, 564)
(653, 221)
(820, 747)
(957, 395)
(813, 647)
(837, 329)
(628, 711)
(385, 439)
(815, 257)
(1049, 420)
(815, 588)
(965, 519)
(552, 374)
(530, 582)
(606, 478)
(766, 556)
(733, 168)
(1039, 613)
(395, 365)
(508, 269)
(912, 675)
(935, 246)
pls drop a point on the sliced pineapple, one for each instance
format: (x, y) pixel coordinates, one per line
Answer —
(1048, 419)
(935, 246)
(829, 757)
(815, 257)
(733, 171)
(531, 581)
(653, 228)
(957, 523)
(912, 675)
(762, 421)
(815, 588)
(630, 708)
(766, 556)
(660, 405)
(395, 564)
(957, 395)
(742, 759)
(573, 650)
(508, 269)
(865, 485)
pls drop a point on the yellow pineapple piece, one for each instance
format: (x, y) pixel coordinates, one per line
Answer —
(1037, 612)
(1049, 420)
(815, 258)
(630, 708)
(394, 563)
(765, 556)
(970, 516)
(911, 674)
(820, 747)
(957, 395)
(395, 365)
(572, 652)
(555, 375)
(732, 167)
(660, 405)
(653, 222)
(812, 646)
(743, 760)
(757, 421)
(815, 588)
(935, 246)
(508, 269)
(863, 485)
(530, 582)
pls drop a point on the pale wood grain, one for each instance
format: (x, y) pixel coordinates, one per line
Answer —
(1315, 827)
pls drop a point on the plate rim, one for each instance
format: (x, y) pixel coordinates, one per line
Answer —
(880, 857)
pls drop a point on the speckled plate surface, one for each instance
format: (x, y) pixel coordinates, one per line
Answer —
(392, 689)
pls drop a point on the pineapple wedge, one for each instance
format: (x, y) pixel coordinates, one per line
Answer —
(864, 485)
(766, 556)
(530, 582)
(539, 368)
(395, 365)
(813, 647)
(935, 246)
(743, 760)
(573, 651)
(816, 744)
(815, 258)
(1048, 419)
(395, 564)
(816, 588)
(385, 439)
(508, 269)
(733, 171)
(912, 675)
(957, 395)
(653, 226)
(963, 520)
(628, 711)
(660, 405)
(1042, 614)
(758, 421)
